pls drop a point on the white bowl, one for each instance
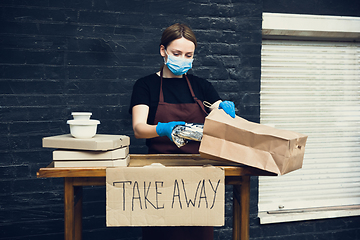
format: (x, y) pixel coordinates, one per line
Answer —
(83, 128)
(81, 115)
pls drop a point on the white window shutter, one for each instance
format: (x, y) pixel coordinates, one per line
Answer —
(313, 88)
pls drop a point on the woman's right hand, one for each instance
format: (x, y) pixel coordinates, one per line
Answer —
(143, 130)
(165, 129)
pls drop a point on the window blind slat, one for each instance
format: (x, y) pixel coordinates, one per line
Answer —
(313, 88)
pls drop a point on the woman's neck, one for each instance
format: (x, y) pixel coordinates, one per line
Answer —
(168, 74)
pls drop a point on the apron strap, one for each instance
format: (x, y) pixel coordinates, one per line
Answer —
(161, 96)
(201, 105)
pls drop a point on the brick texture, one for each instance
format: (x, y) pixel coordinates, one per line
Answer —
(57, 57)
(62, 56)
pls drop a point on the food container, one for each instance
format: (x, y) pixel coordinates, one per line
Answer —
(81, 115)
(181, 134)
(83, 128)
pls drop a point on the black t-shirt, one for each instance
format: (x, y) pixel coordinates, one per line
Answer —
(146, 91)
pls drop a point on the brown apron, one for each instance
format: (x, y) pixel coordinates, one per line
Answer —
(168, 112)
(189, 113)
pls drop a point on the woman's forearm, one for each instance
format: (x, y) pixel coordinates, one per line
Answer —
(143, 130)
(140, 126)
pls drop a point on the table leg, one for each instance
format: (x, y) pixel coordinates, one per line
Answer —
(241, 209)
(236, 212)
(69, 209)
(72, 210)
(245, 208)
(78, 212)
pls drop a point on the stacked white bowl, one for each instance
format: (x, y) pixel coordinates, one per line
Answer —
(82, 126)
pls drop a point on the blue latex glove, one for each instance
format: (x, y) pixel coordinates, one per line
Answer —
(228, 107)
(165, 129)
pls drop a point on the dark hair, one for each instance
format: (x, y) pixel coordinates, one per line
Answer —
(176, 31)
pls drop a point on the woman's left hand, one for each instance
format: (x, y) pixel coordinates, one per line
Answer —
(228, 107)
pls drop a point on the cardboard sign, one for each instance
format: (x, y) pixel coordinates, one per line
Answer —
(165, 196)
(252, 144)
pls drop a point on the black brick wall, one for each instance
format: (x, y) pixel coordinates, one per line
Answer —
(84, 55)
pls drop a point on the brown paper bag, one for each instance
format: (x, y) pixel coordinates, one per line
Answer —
(252, 144)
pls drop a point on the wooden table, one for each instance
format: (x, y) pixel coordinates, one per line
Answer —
(76, 178)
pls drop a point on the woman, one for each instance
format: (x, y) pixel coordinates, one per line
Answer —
(168, 98)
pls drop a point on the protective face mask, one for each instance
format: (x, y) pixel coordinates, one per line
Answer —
(178, 65)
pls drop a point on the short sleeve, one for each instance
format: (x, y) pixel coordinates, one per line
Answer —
(140, 94)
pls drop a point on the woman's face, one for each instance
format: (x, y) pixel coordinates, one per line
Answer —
(179, 48)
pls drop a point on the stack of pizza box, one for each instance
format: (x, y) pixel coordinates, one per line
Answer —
(99, 151)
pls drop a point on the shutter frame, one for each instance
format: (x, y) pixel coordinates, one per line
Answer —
(295, 94)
